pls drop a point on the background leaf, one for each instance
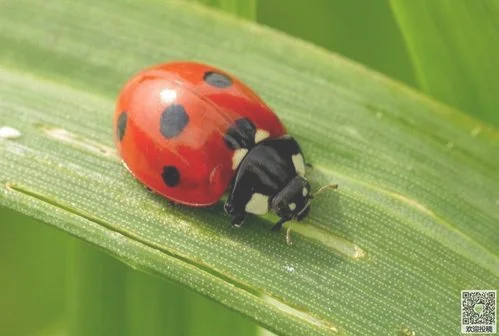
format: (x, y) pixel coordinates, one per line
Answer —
(364, 31)
(374, 246)
(454, 45)
(20, 299)
(245, 9)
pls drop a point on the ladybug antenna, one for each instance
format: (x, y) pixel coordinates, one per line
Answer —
(289, 240)
(324, 188)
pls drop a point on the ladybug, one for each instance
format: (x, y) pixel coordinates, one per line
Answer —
(191, 132)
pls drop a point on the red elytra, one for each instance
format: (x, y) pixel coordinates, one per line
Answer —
(172, 122)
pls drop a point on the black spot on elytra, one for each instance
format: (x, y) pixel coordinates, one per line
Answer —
(171, 176)
(173, 120)
(217, 79)
(121, 125)
(241, 134)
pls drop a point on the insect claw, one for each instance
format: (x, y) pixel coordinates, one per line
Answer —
(238, 220)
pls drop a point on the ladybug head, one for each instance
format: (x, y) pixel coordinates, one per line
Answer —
(292, 202)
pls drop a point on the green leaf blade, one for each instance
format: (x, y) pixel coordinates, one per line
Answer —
(244, 9)
(385, 145)
(453, 45)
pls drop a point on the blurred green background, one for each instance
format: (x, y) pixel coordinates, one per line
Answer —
(43, 270)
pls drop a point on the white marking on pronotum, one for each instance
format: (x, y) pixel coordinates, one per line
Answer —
(305, 192)
(238, 156)
(292, 206)
(7, 132)
(258, 204)
(299, 164)
(261, 135)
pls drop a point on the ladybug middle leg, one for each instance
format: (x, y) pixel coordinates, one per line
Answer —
(239, 196)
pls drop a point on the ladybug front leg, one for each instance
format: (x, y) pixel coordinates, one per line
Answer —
(239, 219)
(238, 213)
(238, 216)
(239, 197)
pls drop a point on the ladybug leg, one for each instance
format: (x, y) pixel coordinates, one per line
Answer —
(231, 186)
(279, 224)
(238, 220)
(239, 196)
(238, 217)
